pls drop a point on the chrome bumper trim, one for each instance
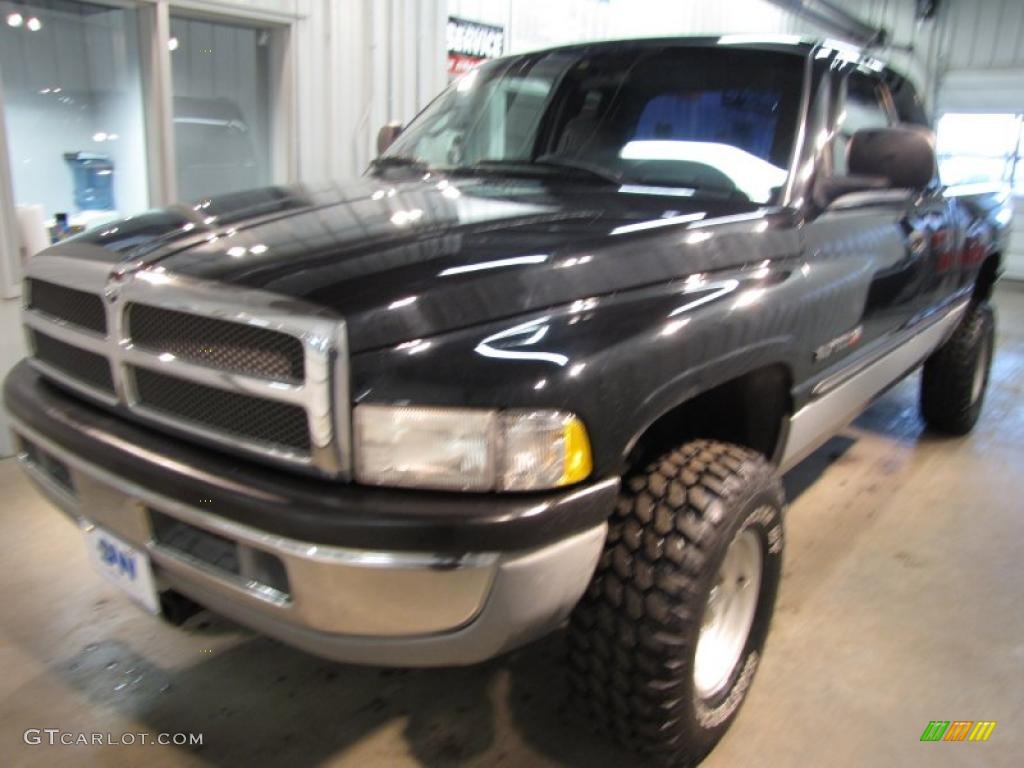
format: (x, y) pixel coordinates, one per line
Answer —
(352, 605)
(332, 589)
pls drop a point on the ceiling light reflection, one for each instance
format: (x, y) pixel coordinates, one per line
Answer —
(666, 221)
(535, 330)
(574, 261)
(398, 304)
(413, 347)
(748, 298)
(716, 290)
(673, 326)
(404, 218)
(494, 264)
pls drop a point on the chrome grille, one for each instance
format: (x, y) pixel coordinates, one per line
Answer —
(88, 367)
(279, 425)
(217, 343)
(251, 371)
(68, 304)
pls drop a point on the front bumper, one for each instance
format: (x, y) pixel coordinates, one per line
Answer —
(397, 605)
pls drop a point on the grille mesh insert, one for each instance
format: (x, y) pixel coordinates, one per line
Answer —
(218, 343)
(78, 364)
(68, 304)
(279, 424)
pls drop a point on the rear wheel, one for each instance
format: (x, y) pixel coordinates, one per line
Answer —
(664, 645)
(955, 377)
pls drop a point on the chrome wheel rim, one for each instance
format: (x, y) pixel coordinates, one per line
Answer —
(728, 615)
(980, 369)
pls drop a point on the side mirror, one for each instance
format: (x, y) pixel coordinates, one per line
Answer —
(904, 155)
(830, 188)
(387, 135)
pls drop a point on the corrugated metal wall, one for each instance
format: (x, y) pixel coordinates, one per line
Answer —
(983, 34)
(361, 63)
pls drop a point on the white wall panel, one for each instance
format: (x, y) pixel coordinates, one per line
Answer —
(995, 90)
(486, 11)
(982, 34)
(361, 63)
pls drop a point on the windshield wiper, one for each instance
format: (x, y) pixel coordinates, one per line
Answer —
(398, 161)
(575, 164)
(498, 168)
(614, 177)
(546, 166)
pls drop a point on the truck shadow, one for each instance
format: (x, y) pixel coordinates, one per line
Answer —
(809, 471)
(262, 703)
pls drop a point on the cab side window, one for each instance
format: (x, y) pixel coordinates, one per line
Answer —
(863, 107)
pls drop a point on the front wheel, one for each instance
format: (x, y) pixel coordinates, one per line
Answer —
(664, 645)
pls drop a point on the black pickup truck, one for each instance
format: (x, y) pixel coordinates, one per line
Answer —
(545, 361)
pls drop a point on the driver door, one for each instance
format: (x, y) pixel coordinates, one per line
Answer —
(876, 243)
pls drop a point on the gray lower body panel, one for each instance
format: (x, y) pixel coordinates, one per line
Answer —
(352, 605)
(821, 418)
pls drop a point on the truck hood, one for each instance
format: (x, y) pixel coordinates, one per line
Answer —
(405, 259)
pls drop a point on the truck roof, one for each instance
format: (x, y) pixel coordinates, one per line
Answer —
(800, 45)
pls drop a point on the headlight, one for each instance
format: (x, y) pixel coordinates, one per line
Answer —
(468, 449)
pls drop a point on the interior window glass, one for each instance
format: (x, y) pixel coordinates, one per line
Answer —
(496, 119)
(73, 104)
(744, 118)
(700, 121)
(221, 84)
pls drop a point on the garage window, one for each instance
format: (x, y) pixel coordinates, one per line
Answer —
(982, 148)
(74, 115)
(221, 81)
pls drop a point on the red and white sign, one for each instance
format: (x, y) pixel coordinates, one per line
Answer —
(470, 42)
(459, 64)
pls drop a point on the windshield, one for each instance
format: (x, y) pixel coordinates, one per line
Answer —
(663, 120)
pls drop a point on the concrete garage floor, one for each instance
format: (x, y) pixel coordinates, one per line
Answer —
(902, 603)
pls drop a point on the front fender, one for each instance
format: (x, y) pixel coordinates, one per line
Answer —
(619, 362)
